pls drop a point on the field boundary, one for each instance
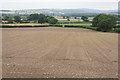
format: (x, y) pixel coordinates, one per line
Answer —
(116, 30)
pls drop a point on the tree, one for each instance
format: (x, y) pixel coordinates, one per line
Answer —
(95, 20)
(52, 21)
(84, 18)
(104, 22)
(5, 18)
(42, 18)
(0, 20)
(68, 19)
(33, 17)
(17, 19)
(48, 18)
(10, 20)
(63, 17)
(75, 17)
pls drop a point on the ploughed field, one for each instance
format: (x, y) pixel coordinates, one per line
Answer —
(52, 52)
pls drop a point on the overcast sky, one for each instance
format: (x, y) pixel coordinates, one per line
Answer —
(38, 4)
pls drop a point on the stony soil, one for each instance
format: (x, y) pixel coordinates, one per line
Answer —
(52, 52)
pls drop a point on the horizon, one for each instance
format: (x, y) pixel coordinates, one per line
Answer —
(53, 4)
(58, 8)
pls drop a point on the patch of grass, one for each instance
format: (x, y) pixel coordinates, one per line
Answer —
(72, 22)
(78, 24)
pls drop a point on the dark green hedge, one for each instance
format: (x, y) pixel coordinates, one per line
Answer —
(55, 25)
(117, 30)
(51, 25)
(87, 27)
(74, 26)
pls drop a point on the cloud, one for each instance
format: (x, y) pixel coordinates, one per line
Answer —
(59, 1)
(28, 4)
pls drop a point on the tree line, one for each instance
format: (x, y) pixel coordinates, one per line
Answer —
(104, 22)
(36, 18)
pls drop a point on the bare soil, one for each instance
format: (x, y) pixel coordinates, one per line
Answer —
(52, 52)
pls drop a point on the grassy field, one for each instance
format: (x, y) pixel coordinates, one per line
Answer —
(80, 24)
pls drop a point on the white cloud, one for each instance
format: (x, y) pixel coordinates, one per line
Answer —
(60, 0)
(25, 4)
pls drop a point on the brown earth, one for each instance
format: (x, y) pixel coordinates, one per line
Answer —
(53, 52)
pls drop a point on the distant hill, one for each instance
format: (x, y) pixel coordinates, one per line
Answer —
(7, 12)
(59, 12)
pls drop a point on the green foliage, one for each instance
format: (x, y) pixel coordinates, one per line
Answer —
(117, 30)
(105, 25)
(52, 20)
(41, 18)
(10, 20)
(0, 19)
(75, 17)
(84, 18)
(17, 19)
(95, 20)
(47, 19)
(63, 17)
(68, 19)
(78, 24)
(104, 22)
(33, 17)
(55, 25)
(5, 18)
